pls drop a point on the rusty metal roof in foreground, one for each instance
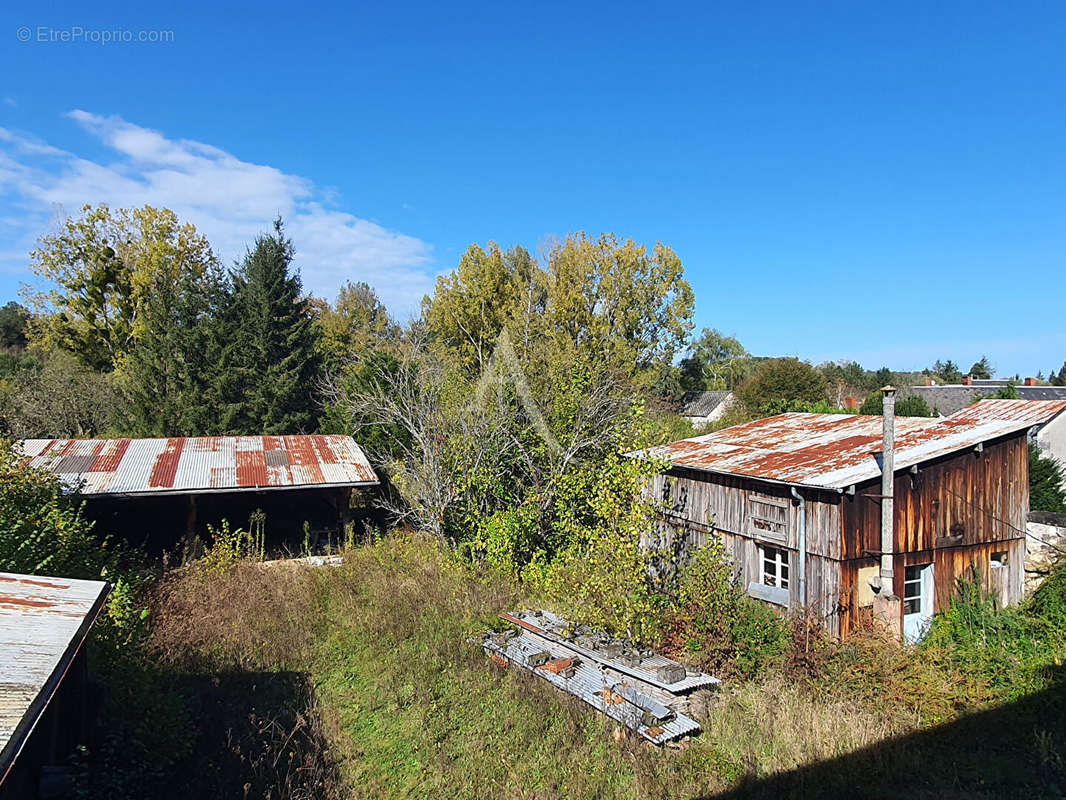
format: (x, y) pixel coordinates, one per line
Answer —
(834, 451)
(202, 464)
(43, 622)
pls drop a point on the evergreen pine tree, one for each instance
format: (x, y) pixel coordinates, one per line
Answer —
(167, 376)
(270, 363)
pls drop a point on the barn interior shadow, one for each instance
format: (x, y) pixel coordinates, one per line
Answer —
(1015, 750)
(244, 734)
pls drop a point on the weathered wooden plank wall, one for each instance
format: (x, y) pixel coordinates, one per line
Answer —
(704, 504)
(956, 512)
(725, 502)
(966, 499)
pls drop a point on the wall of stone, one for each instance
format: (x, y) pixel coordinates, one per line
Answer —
(1045, 544)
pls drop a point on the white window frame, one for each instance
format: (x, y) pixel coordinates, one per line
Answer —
(780, 576)
(773, 592)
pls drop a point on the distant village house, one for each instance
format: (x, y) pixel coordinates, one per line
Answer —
(703, 408)
(947, 399)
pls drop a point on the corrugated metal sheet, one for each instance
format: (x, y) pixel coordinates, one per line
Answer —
(834, 451)
(609, 691)
(202, 464)
(550, 626)
(42, 623)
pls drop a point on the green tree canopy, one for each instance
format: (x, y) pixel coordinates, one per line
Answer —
(910, 406)
(714, 361)
(778, 384)
(1047, 483)
(1057, 378)
(490, 288)
(58, 398)
(982, 369)
(947, 371)
(169, 379)
(616, 299)
(357, 323)
(608, 297)
(103, 268)
(14, 320)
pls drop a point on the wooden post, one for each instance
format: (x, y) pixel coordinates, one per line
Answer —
(189, 545)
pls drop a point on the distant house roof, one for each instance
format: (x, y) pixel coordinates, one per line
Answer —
(203, 464)
(43, 622)
(834, 451)
(946, 400)
(702, 404)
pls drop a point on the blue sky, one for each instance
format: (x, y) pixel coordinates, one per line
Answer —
(881, 182)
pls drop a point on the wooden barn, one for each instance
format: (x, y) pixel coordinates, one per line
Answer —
(813, 523)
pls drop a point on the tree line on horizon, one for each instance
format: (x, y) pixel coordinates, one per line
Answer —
(497, 418)
(145, 333)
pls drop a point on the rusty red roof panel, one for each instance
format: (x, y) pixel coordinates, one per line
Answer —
(834, 451)
(166, 465)
(208, 463)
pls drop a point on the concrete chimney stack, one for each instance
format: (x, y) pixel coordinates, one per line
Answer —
(888, 487)
(888, 608)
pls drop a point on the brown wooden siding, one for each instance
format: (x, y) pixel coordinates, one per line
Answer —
(965, 499)
(950, 564)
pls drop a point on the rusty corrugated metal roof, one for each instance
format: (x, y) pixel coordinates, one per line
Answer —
(834, 451)
(202, 464)
(43, 622)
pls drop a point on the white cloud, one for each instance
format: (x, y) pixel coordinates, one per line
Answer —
(228, 199)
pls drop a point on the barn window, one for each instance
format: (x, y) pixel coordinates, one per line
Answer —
(768, 517)
(912, 590)
(773, 567)
(999, 559)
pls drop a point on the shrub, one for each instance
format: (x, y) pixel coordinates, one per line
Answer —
(230, 546)
(1008, 649)
(508, 540)
(603, 576)
(42, 529)
(1048, 603)
(909, 406)
(719, 625)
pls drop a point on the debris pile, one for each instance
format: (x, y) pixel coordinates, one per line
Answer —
(643, 690)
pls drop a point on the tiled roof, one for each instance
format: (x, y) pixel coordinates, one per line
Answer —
(702, 404)
(946, 400)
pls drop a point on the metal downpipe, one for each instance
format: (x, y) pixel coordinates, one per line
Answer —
(802, 547)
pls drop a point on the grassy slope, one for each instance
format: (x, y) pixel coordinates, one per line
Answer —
(411, 710)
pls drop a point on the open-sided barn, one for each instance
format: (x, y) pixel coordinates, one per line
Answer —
(163, 488)
(800, 504)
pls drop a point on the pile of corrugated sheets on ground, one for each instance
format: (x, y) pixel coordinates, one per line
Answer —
(634, 686)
